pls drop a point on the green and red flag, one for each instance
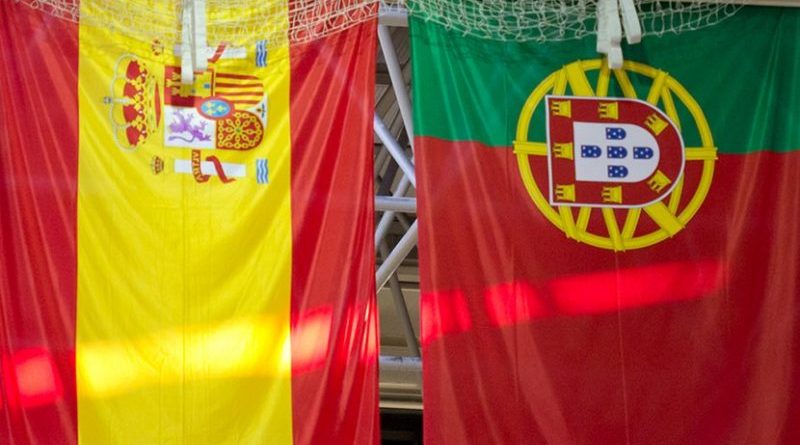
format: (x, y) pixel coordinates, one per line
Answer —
(611, 256)
(170, 253)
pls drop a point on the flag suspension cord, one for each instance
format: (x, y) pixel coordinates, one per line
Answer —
(610, 27)
(194, 36)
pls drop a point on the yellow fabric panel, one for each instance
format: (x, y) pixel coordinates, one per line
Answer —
(183, 286)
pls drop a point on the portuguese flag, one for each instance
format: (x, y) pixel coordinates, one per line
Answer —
(170, 255)
(611, 256)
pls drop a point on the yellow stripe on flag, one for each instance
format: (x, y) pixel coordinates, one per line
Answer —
(183, 286)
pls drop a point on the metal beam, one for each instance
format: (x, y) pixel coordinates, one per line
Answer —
(400, 382)
(393, 16)
(409, 405)
(394, 148)
(396, 257)
(398, 81)
(386, 219)
(401, 365)
(391, 203)
(400, 377)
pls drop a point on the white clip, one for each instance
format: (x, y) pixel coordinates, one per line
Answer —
(630, 21)
(609, 29)
(614, 25)
(615, 59)
(603, 38)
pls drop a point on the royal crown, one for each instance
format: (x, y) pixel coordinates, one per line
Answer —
(156, 165)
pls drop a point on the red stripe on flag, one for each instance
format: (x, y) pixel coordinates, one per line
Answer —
(511, 303)
(311, 339)
(707, 335)
(443, 313)
(31, 375)
(635, 287)
(38, 175)
(335, 396)
(601, 292)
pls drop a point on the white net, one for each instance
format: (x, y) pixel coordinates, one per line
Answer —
(244, 22)
(234, 22)
(555, 20)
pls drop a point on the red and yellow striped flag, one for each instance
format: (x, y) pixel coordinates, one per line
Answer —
(171, 256)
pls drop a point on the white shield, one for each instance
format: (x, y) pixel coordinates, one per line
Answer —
(613, 152)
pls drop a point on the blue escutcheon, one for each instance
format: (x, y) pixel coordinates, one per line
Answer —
(215, 108)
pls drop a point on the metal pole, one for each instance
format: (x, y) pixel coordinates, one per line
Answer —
(400, 382)
(386, 219)
(398, 81)
(396, 257)
(396, 16)
(394, 148)
(400, 375)
(405, 205)
(403, 365)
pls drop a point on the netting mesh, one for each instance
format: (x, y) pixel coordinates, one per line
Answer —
(554, 20)
(244, 22)
(235, 22)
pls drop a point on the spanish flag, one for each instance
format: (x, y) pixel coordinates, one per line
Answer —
(611, 256)
(185, 264)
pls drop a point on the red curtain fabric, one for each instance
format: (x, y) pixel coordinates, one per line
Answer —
(38, 183)
(333, 259)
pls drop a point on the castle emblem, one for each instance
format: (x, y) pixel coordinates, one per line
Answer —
(610, 152)
(614, 171)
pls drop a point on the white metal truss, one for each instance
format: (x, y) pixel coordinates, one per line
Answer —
(396, 230)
